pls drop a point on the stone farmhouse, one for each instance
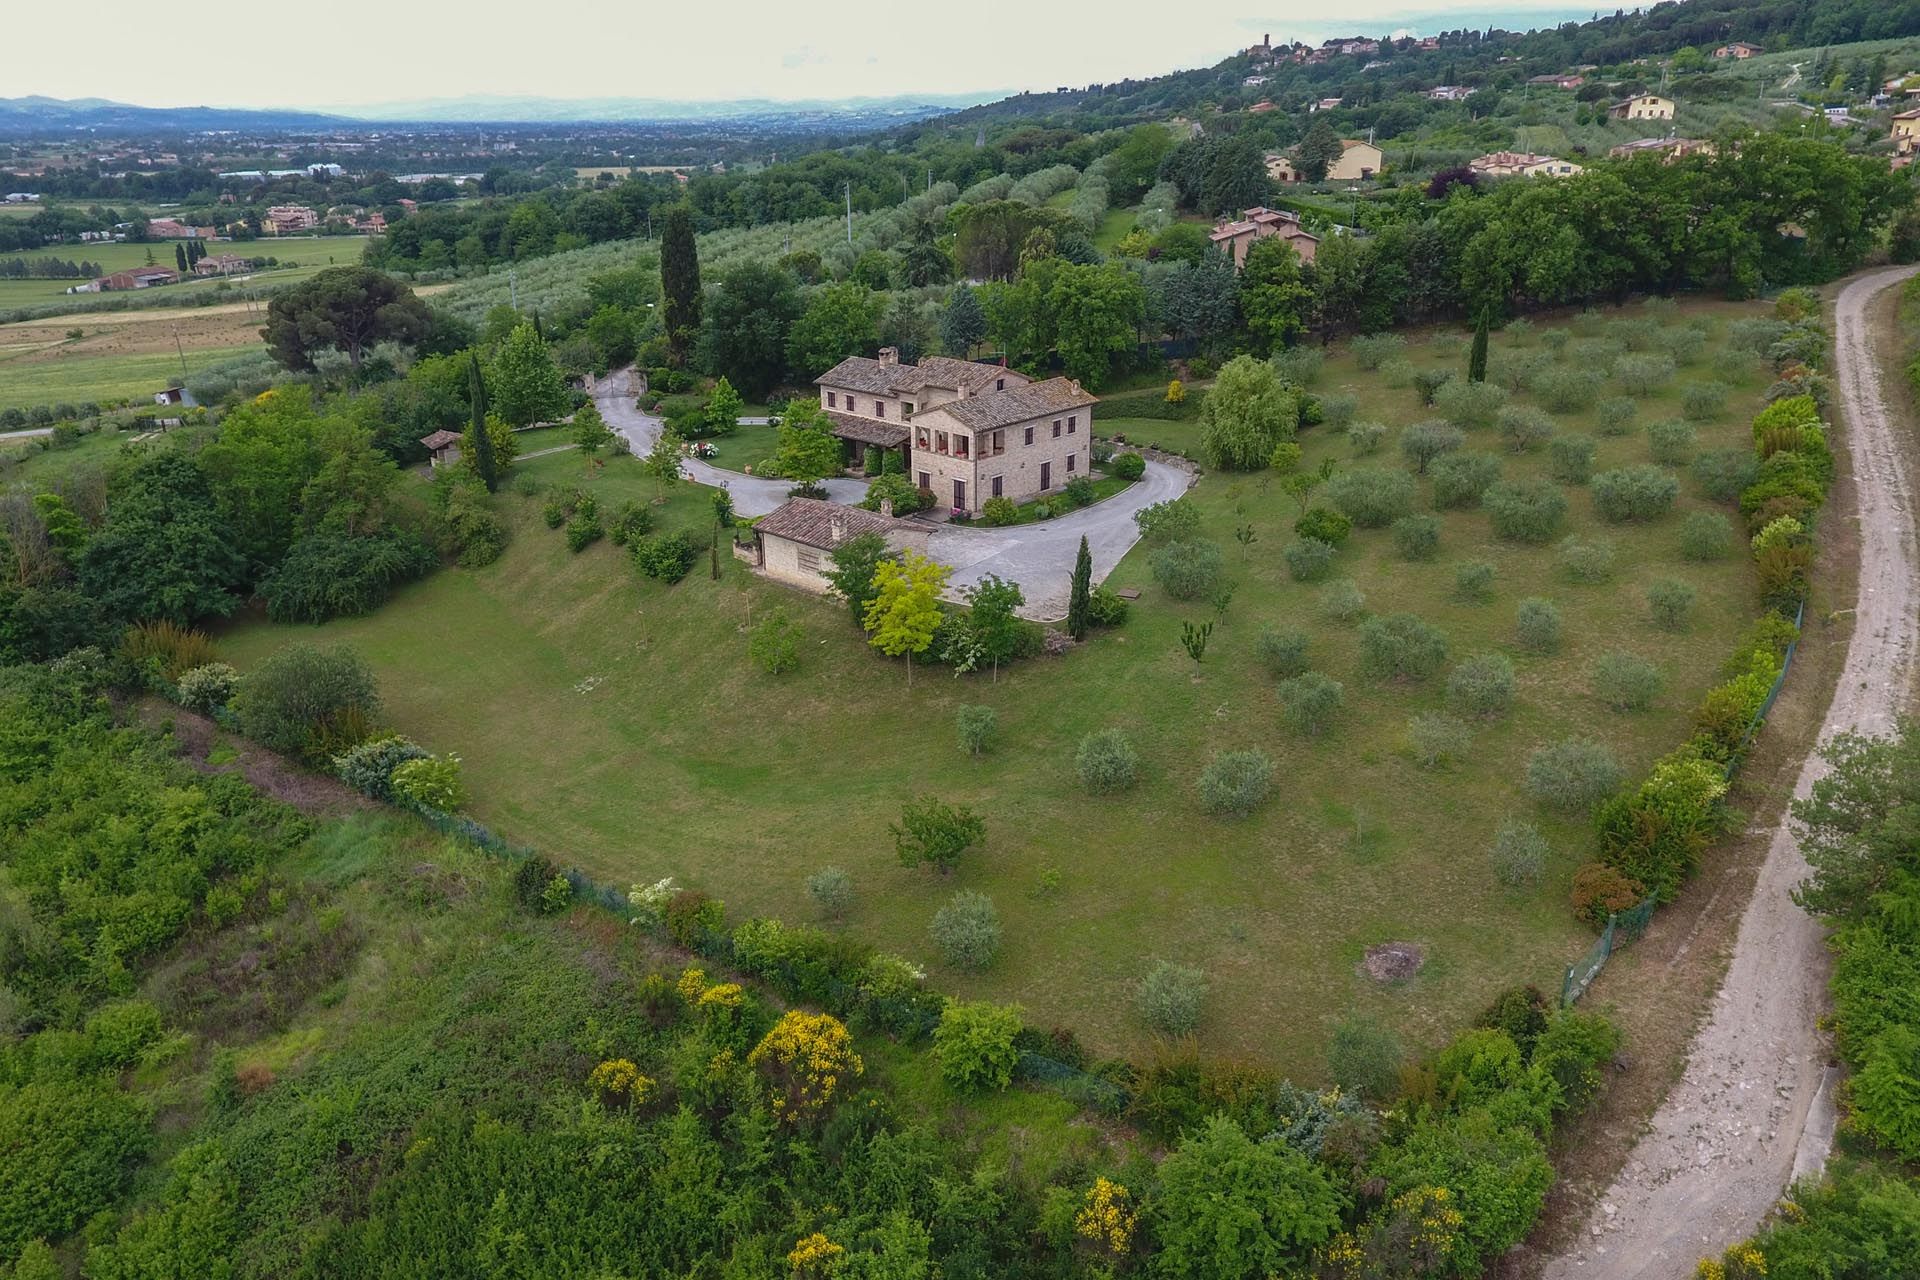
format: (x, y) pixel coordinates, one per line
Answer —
(1738, 49)
(1236, 237)
(1646, 106)
(1359, 161)
(1670, 149)
(968, 431)
(1522, 164)
(795, 542)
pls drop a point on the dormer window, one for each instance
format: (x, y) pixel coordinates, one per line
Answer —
(906, 408)
(879, 408)
(999, 384)
(833, 401)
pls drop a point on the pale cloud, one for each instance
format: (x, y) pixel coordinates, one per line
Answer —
(413, 49)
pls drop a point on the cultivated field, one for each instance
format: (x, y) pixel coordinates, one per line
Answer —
(120, 354)
(618, 725)
(300, 257)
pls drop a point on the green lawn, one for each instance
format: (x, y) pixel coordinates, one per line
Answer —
(25, 463)
(1114, 227)
(77, 379)
(617, 724)
(300, 258)
(1104, 487)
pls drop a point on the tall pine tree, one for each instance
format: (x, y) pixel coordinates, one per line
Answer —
(478, 441)
(964, 323)
(1477, 359)
(1080, 602)
(680, 283)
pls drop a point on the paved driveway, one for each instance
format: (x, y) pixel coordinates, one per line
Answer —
(1037, 556)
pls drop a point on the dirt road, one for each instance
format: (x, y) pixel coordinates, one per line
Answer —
(1755, 1106)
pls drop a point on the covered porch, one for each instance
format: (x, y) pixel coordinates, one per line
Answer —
(864, 442)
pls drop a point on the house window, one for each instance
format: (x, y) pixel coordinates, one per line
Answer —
(999, 442)
(926, 480)
(833, 401)
(939, 442)
(1069, 462)
(1056, 428)
(1029, 439)
(906, 408)
(1073, 424)
(879, 408)
(960, 446)
(999, 384)
(809, 560)
(996, 486)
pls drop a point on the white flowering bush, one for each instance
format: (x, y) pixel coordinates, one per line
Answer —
(649, 901)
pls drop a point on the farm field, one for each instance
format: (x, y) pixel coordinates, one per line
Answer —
(125, 354)
(82, 378)
(306, 254)
(616, 724)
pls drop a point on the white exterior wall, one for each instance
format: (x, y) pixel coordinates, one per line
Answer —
(1018, 467)
(799, 565)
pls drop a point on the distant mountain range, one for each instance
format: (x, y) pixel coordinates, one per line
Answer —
(41, 114)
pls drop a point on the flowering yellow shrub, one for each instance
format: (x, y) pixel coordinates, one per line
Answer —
(1742, 1261)
(1107, 1219)
(806, 1057)
(722, 995)
(1413, 1235)
(1175, 392)
(620, 1078)
(692, 985)
(813, 1256)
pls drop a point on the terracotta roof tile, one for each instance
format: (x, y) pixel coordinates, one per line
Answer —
(813, 523)
(1016, 404)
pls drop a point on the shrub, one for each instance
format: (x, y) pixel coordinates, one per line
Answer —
(1537, 625)
(1642, 375)
(1297, 365)
(1703, 401)
(1338, 410)
(1324, 525)
(1520, 854)
(1625, 681)
(165, 649)
(807, 1059)
(303, 701)
(1176, 520)
(1107, 762)
(1615, 416)
(1570, 458)
(1436, 739)
(330, 575)
(1527, 511)
(1000, 511)
(1524, 429)
(1706, 535)
(1364, 1058)
(1587, 563)
(1470, 405)
(1283, 653)
(1400, 646)
(432, 782)
(1671, 443)
(1170, 996)
(1482, 686)
(1460, 479)
(1473, 582)
(1638, 493)
(1187, 570)
(1417, 537)
(1567, 390)
(1127, 466)
(1106, 607)
(1077, 492)
(1366, 437)
(1424, 442)
(1555, 340)
(1308, 560)
(208, 687)
(368, 767)
(974, 1044)
(1720, 474)
(1518, 370)
(967, 931)
(977, 727)
(1373, 350)
(1397, 373)
(1670, 602)
(1599, 891)
(1370, 497)
(1572, 775)
(832, 891)
(664, 557)
(1342, 600)
(630, 523)
(691, 917)
(1427, 383)
(1235, 782)
(775, 643)
(583, 531)
(933, 833)
(1308, 702)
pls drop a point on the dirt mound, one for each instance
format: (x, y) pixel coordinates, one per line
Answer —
(1393, 961)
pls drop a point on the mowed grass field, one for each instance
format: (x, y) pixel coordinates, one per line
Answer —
(306, 254)
(617, 724)
(118, 354)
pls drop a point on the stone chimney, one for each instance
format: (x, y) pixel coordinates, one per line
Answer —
(836, 528)
(889, 355)
(886, 508)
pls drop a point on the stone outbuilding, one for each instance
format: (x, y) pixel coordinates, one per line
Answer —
(795, 542)
(443, 448)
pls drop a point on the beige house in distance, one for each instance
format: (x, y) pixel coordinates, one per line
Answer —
(1236, 237)
(1646, 106)
(1522, 164)
(795, 542)
(1905, 132)
(969, 431)
(1359, 161)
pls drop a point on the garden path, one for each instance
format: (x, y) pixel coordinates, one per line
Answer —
(1754, 1108)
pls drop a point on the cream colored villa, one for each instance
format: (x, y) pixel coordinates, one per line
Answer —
(968, 431)
(1646, 106)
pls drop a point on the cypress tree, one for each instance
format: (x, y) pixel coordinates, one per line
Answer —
(1080, 603)
(180, 257)
(680, 282)
(1477, 360)
(482, 443)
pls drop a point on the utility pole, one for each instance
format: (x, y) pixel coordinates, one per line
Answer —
(849, 214)
(513, 288)
(181, 351)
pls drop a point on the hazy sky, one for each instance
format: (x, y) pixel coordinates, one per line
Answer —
(280, 55)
